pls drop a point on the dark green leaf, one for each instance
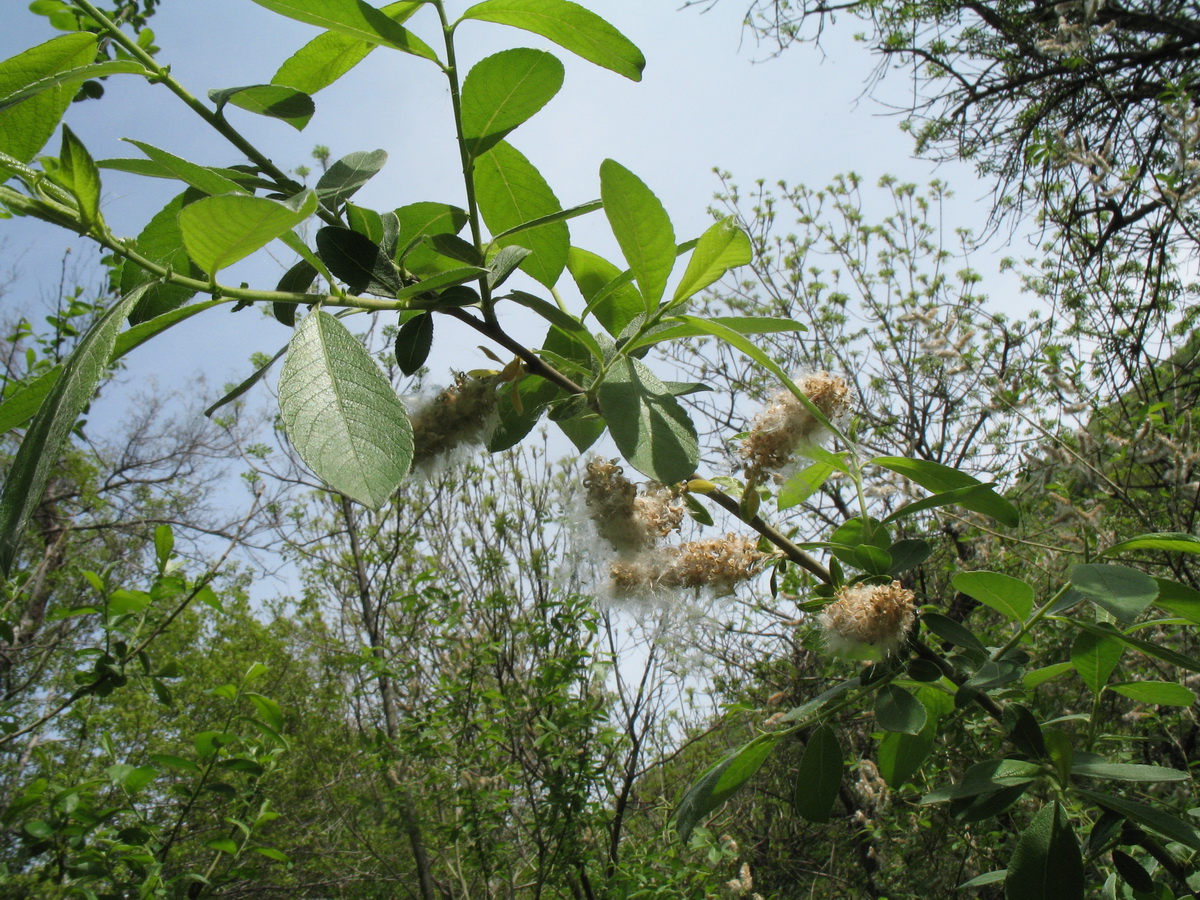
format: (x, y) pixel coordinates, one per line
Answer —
(1046, 864)
(420, 219)
(898, 710)
(569, 25)
(47, 436)
(649, 427)
(987, 777)
(296, 280)
(1122, 591)
(1024, 731)
(820, 775)
(504, 264)
(341, 414)
(446, 279)
(1165, 542)
(952, 632)
(277, 101)
(502, 91)
(985, 878)
(453, 246)
(901, 755)
(1127, 772)
(358, 262)
(721, 782)
(515, 419)
(413, 343)
(1147, 816)
(1131, 870)
(908, 554)
(1158, 651)
(343, 179)
(939, 479)
(511, 192)
(642, 229)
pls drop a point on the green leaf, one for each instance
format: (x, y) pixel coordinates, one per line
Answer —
(642, 229)
(1009, 596)
(200, 177)
(563, 321)
(1126, 772)
(78, 172)
(722, 247)
(721, 782)
(1094, 657)
(164, 543)
(219, 231)
(224, 845)
(820, 775)
(449, 278)
(175, 762)
(1118, 590)
(275, 101)
(974, 493)
(1023, 730)
(1159, 693)
(803, 485)
(329, 56)
(272, 853)
(44, 442)
(355, 19)
(503, 264)
(72, 77)
(343, 179)
(561, 216)
(419, 220)
(1157, 651)
(254, 378)
(898, 710)
(296, 280)
(268, 710)
(1046, 673)
(939, 479)
(1133, 873)
(25, 127)
(649, 427)
(901, 755)
(986, 777)
(516, 418)
(592, 274)
(949, 630)
(1178, 599)
(341, 414)
(502, 91)
(161, 241)
(414, 340)
(569, 25)
(1046, 863)
(358, 262)
(1166, 542)
(511, 192)
(1146, 816)
(986, 878)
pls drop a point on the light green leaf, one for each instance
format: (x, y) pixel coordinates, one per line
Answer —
(1046, 864)
(683, 327)
(355, 19)
(1094, 656)
(938, 479)
(820, 775)
(986, 878)
(649, 427)
(592, 274)
(722, 247)
(78, 172)
(1047, 673)
(803, 485)
(1158, 651)
(1159, 693)
(72, 77)
(721, 782)
(329, 56)
(276, 101)
(419, 220)
(50, 430)
(963, 496)
(268, 710)
(502, 91)
(219, 231)
(1009, 596)
(199, 177)
(1178, 599)
(642, 229)
(1122, 591)
(1166, 542)
(569, 25)
(987, 777)
(511, 192)
(341, 414)
(25, 127)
